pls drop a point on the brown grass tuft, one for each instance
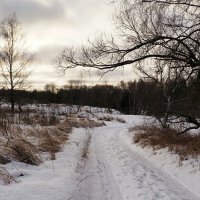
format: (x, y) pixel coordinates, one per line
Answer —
(42, 120)
(120, 120)
(24, 151)
(51, 144)
(106, 118)
(82, 123)
(86, 145)
(111, 118)
(5, 177)
(185, 146)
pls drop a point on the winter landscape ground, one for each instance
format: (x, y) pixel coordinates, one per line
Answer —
(98, 162)
(124, 121)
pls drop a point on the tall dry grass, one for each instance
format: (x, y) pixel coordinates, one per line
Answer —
(24, 151)
(185, 145)
(26, 136)
(5, 177)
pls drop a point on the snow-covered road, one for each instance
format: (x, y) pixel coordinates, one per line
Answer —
(112, 171)
(116, 172)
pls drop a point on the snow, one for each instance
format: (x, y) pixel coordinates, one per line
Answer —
(49, 181)
(115, 169)
(136, 177)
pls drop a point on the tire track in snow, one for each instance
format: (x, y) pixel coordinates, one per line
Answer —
(135, 177)
(113, 171)
(109, 187)
(94, 180)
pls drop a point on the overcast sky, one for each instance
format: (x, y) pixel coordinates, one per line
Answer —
(50, 25)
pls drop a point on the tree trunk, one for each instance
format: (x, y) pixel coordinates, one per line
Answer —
(12, 101)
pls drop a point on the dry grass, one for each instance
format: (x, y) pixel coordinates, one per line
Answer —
(120, 120)
(66, 126)
(42, 120)
(88, 123)
(24, 151)
(52, 142)
(53, 120)
(5, 124)
(185, 146)
(5, 177)
(26, 143)
(73, 121)
(86, 145)
(111, 118)
(27, 120)
(106, 118)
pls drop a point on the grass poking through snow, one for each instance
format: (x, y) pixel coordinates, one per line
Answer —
(186, 145)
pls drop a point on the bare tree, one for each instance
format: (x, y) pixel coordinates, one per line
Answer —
(147, 31)
(14, 60)
(50, 87)
(192, 3)
(169, 79)
(165, 31)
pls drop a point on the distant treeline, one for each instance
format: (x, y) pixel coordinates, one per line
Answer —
(138, 97)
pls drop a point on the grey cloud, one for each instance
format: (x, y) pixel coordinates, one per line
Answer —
(71, 11)
(31, 11)
(57, 23)
(46, 54)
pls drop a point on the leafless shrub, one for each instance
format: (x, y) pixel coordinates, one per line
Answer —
(51, 144)
(81, 165)
(185, 146)
(24, 151)
(42, 120)
(86, 145)
(82, 171)
(28, 118)
(5, 177)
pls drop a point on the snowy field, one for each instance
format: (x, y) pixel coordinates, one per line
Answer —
(102, 163)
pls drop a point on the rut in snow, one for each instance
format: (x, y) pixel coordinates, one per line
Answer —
(113, 171)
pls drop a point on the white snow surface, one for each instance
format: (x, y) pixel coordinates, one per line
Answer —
(116, 169)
